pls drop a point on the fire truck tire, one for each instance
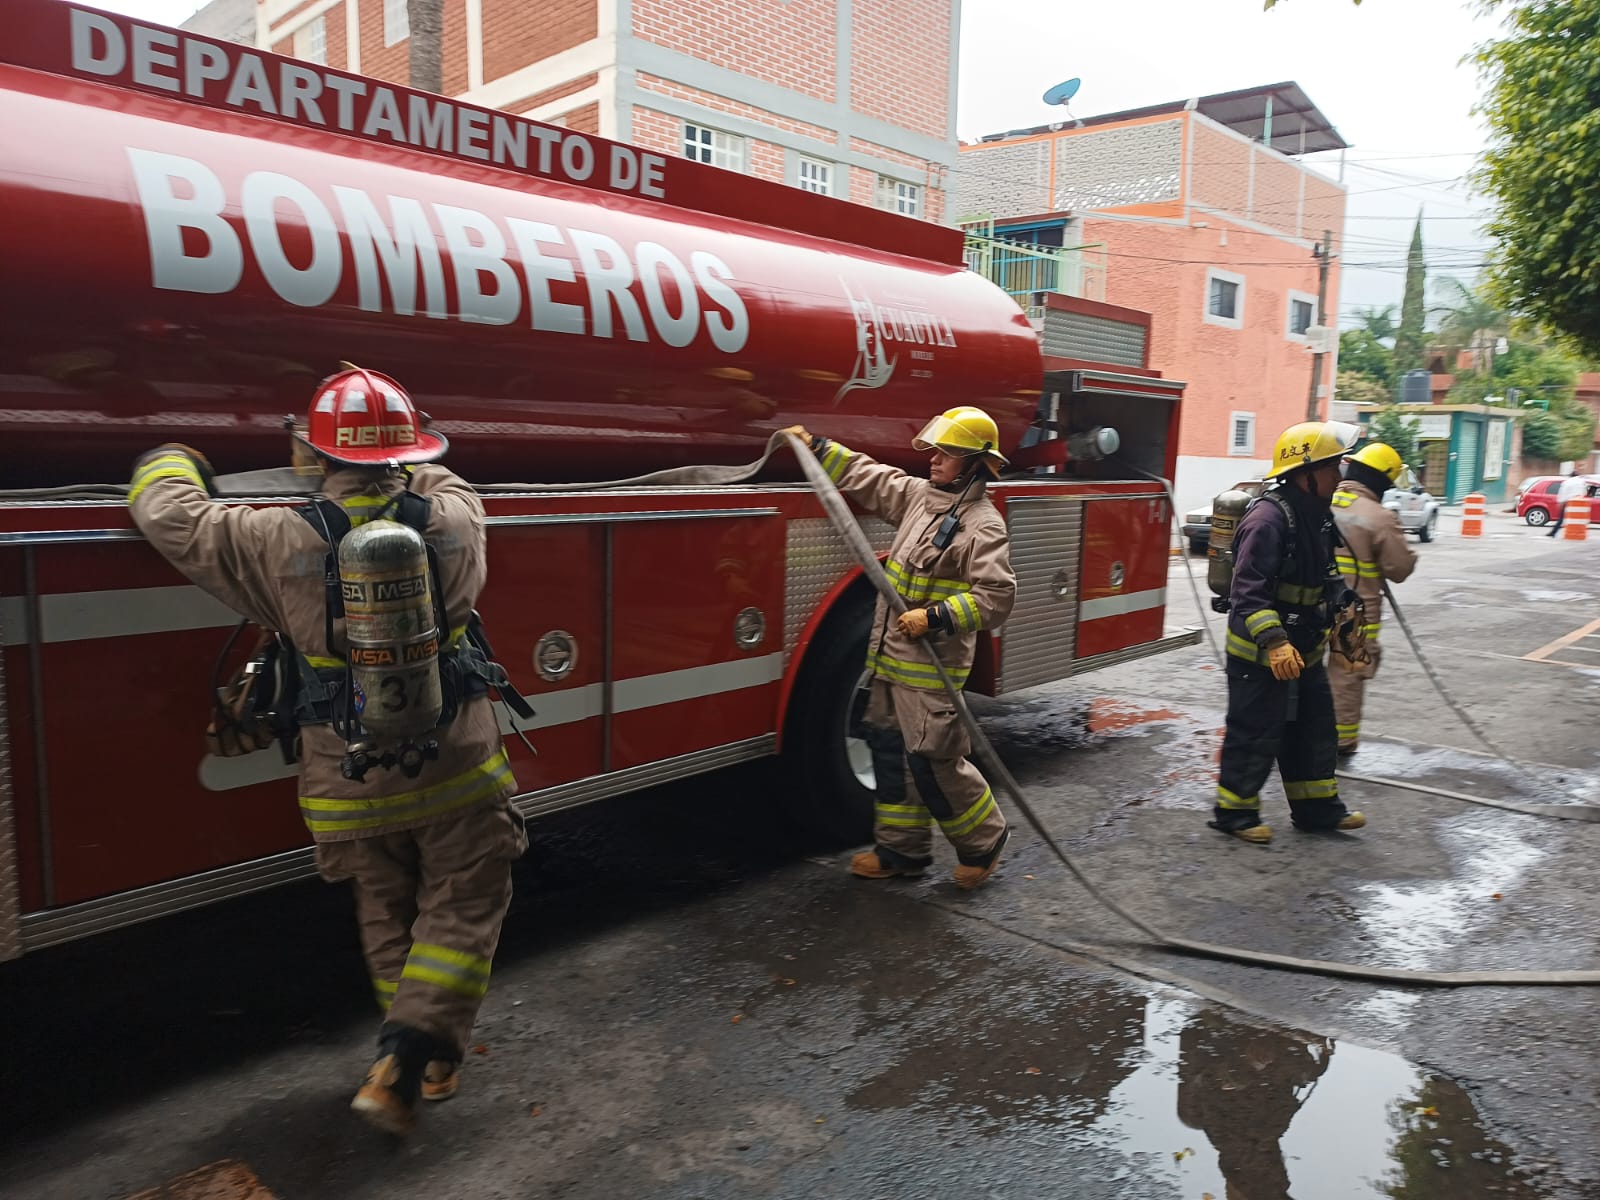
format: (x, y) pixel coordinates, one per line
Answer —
(829, 797)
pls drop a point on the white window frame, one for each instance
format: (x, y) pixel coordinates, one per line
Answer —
(1248, 450)
(396, 22)
(311, 41)
(1237, 320)
(899, 196)
(823, 173)
(1288, 314)
(718, 147)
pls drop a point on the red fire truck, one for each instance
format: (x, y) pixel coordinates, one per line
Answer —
(194, 233)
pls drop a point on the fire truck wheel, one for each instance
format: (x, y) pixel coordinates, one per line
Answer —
(831, 772)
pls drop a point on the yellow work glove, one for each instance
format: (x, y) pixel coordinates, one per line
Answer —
(800, 431)
(913, 622)
(1285, 662)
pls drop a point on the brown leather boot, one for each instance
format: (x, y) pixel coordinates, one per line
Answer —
(969, 876)
(440, 1079)
(382, 1101)
(867, 865)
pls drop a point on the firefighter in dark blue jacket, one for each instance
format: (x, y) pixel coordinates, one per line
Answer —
(1285, 583)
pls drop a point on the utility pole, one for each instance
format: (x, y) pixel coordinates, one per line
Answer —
(1323, 253)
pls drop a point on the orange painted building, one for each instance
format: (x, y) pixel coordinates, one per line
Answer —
(1206, 220)
(850, 98)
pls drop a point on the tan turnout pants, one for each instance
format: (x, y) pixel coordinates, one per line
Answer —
(1349, 690)
(919, 753)
(429, 903)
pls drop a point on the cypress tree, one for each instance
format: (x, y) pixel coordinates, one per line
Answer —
(1408, 341)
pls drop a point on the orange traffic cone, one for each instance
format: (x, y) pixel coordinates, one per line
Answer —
(1472, 515)
(1575, 521)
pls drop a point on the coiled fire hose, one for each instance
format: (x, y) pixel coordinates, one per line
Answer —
(844, 524)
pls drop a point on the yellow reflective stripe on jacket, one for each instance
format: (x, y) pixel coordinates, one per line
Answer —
(1348, 733)
(1293, 593)
(464, 974)
(1371, 632)
(1310, 789)
(903, 816)
(1242, 647)
(1227, 799)
(1343, 499)
(917, 588)
(834, 460)
(963, 611)
(1258, 622)
(972, 818)
(384, 989)
(165, 466)
(344, 815)
(914, 674)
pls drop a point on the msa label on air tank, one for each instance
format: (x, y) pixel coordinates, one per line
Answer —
(384, 589)
(501, 267)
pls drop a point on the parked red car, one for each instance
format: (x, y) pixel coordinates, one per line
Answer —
(1536, 503)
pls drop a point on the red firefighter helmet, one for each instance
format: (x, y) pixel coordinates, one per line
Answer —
(364, 419)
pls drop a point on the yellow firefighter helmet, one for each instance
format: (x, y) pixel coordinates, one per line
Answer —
(1310, 443)
(961, 432)
(1381, 457)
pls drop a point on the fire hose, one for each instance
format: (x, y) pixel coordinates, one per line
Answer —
(845, 525)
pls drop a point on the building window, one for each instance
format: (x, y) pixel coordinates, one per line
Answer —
(1224, 298)
(898, 196)
(1242, 435)
(815, 175)
(1302, 315)
(396, 22)
(725, 150)
(311, 42)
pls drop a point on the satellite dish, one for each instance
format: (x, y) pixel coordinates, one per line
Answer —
(1062, 92)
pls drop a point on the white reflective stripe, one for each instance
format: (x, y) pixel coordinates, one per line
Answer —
(550, 709)
(83, 616)
(670, 686)
(1114, 606)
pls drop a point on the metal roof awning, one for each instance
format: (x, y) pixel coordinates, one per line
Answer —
(1297, 126)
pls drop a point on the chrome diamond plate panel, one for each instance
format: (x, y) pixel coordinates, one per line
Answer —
(816, 559)
(1039, 640)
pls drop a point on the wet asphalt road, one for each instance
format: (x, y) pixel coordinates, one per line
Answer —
(691, 1003)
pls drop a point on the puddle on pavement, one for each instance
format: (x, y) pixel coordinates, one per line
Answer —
(1205, 1101)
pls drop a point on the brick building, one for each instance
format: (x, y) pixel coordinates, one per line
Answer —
(851, 98)
(1207, 220)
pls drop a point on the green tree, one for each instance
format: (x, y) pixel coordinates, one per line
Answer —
(1355, 388)
(1362, 354)
(1379, 322)
(1469, 319)
(1543, 168)
(1391, 425)
(1408, 339)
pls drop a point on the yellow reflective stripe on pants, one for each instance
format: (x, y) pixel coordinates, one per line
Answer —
(972, 818)
(464, 974)
(964, 612)
(910, 816)
(914, 674)
(1348, 732)
(1227, 799)
(340, 815)
(384, 989)
(168, 466)
(1311, 789)
(834, 460)
(1257, 622)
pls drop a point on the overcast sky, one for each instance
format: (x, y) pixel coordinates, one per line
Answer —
(1387, 74)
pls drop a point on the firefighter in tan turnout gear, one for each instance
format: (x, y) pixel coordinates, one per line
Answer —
(951, 562)
(428, 848)
(1374, 549)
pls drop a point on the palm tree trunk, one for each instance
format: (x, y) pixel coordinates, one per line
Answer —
(427, 44)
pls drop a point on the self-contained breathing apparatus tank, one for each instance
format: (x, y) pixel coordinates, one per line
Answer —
(392, 625)
(1226, 512)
